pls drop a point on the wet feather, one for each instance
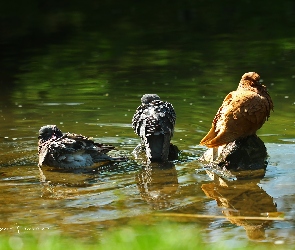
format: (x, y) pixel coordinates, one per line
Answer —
(154, 122)
(70, 150)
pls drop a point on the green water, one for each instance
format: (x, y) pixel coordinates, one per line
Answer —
(91, 83)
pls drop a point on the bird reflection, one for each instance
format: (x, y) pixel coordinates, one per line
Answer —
(157, 183)
(65, 183)
(242, 198)
(58, 188)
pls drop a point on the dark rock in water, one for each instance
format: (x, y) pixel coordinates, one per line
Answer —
(238, 157)
(245, 154)
(154, 122)
(173, 152)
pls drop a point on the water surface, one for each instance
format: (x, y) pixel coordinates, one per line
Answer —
(89, 86)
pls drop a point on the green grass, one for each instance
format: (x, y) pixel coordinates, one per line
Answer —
(165, 236)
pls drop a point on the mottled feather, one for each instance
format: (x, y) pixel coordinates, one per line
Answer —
(154, 122)
(69, 150)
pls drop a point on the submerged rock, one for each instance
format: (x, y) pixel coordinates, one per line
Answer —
(244, 157)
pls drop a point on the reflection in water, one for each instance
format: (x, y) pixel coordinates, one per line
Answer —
(242, 198)
(65, 183)
(59, 184)
(157, 183)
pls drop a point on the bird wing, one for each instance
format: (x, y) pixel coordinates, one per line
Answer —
(220, 115)
(71, 142)
(155, 118)
(242, 113)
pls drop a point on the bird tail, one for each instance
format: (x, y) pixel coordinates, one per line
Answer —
(210, 136)
(154, 147)
(212, 140)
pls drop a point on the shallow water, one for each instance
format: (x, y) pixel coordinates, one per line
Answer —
(79, 87)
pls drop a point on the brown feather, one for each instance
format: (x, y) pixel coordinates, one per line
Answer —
(241, 114)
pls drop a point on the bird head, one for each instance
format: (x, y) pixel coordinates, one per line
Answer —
(148, 98)
(251, 81)
(49, 132)
(251, 76)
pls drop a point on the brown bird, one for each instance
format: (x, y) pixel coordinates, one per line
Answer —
(241, 114)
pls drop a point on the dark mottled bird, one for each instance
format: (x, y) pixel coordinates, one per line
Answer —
(154, 122)
(69, 150)
(241, 114)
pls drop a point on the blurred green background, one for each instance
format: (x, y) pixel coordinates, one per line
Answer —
(173, 29)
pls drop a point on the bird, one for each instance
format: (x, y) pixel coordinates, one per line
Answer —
(69, 150)
(154, 122)
(241, 114)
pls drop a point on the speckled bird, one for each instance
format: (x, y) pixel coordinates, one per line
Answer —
(69, 151)
(242, 112)
(154, 122)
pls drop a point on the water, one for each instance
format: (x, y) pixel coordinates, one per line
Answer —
(90, 87)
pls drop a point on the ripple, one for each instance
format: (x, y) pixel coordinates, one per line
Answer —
(59, 103)
(121, 125)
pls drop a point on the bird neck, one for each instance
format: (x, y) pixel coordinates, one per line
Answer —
(247, 85)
